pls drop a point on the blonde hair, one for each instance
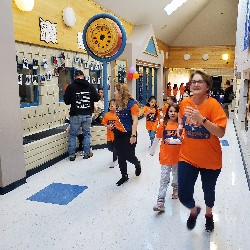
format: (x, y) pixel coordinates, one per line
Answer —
(123, 91)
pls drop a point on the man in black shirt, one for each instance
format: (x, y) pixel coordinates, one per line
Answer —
(228, 96)
(81, 96)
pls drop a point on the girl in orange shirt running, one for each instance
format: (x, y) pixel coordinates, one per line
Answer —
(169, 154)
(109, 121)
(152, 114)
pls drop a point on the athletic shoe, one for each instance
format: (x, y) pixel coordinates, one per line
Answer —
(72, 158)
(209, 226)
(90, 154)
(113, 164)
(159, 207)
(138, 169)
(191, 222)
(122, 180)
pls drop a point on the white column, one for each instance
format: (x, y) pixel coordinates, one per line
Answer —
(12, 165)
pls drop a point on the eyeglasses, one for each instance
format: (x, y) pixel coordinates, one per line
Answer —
(199, 82)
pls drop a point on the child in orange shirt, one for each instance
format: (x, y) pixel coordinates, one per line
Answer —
(152, 114)
(169, 154)
(170, 100)
(108, 121)
(182, 90)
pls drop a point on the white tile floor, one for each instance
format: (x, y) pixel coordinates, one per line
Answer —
(109, 217)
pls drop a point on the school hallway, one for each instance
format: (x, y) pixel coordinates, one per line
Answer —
(104, 216)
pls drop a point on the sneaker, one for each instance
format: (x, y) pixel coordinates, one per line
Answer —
(209, 226)
(138, 169)
(175, 193)
(72, 158)
(113, 164)
(191, 222)
(159, 207)
(90, 154)
(122, 180)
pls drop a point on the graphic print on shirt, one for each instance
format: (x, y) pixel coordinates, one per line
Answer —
(151, 117)
(169, 134)
(194, 129)
(83, 100)
(111, 123)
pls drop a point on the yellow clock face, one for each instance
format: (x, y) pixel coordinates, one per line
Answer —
(102, 37)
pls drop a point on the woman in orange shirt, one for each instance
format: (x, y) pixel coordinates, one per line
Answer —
(169, 154)
(175, 90)
(204, 122)
(182, 89)
(109, 121)
(152, 114)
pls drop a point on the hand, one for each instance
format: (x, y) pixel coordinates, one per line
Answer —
(167, 141)
(110, 127)
(179, 132)
(193, 114)
(132, 140)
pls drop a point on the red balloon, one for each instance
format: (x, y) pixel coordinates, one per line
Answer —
(130, 76)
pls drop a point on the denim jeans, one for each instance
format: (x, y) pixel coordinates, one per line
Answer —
(83, 121)
(151, 135)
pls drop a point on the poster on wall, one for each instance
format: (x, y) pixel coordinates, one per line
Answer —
(247, 28)
(48, 31)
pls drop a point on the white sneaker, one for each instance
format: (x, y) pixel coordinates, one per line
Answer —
(113, 164)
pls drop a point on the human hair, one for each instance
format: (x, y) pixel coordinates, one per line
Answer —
(99, 89)
(228, 82)
(123, 91)
(156, 107)
(78, 73)
(166, 117)
(112, 100)
(206, 78)
(173, 98)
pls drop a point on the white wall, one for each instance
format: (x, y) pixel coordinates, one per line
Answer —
(242, 68)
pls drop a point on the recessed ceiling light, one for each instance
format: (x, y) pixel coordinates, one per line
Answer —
(173, 6)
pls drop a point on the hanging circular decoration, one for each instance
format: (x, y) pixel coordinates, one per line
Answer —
(104, 37)
(69, 16)
(187, 57)
(205, 57)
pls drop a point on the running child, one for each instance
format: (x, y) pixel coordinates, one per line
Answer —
(108, 121)
(169, 154)
(152, 114)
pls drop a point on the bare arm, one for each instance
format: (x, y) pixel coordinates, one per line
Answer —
(134, 128)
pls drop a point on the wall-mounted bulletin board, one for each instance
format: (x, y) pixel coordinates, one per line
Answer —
(121, 69)
(27, 29)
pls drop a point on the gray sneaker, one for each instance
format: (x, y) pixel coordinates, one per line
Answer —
(90, 154)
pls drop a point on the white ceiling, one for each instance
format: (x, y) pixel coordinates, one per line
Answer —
(195, 23)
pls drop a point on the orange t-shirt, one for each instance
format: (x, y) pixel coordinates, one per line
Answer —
(199, 147)
(169, 153)
(182, 89)
(175, 91)
(109, 119)
(152, 119)
(169, 91)
(164, 110)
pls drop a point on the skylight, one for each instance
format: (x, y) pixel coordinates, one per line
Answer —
(173, 6)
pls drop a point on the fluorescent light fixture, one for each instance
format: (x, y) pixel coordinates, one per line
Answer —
(225, 57)
(173, 6)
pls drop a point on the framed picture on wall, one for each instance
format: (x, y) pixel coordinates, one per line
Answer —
(121, 70)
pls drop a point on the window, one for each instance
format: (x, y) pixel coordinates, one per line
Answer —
(66, 77)
(28, 87)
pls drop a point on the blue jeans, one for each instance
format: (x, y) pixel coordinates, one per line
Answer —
(187, 176)
(83, 121)
(151, 135)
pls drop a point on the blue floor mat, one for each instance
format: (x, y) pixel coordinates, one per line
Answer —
(58, 193)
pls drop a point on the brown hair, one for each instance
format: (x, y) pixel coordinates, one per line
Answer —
(207, 78)
(122, 89)
(166, 117)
